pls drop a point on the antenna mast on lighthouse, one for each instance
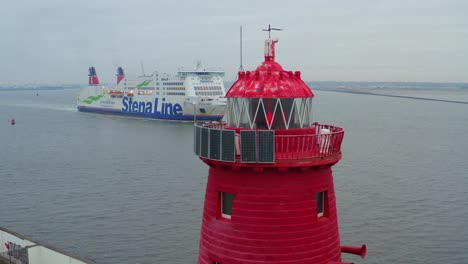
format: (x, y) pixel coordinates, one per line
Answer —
(241, 68)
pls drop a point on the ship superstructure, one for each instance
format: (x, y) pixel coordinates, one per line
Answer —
(189, 95)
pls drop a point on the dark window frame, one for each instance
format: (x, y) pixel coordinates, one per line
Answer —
(321, 203)
(226, 200)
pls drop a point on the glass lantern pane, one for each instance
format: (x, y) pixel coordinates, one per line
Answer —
(289, 111)
(245, 109)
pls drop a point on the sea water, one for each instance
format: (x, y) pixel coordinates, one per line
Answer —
(121, 190)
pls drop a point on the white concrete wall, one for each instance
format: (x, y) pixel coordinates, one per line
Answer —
(37, 253)
(43, 255)
(7, 238)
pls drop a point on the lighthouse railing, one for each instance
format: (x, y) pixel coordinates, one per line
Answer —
(324, 141)
(215, 141)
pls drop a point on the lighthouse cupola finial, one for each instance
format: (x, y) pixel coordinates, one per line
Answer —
(270, 44)
(270, 49)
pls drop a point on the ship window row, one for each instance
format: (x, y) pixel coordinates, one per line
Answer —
(138, 88)
(174, 93)
(173, 83)
(146, 88)
(226, 200)
(208, 93)
(113, 92)
(210, 88)
(175, 88)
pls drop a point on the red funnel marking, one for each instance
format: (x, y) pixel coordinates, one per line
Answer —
(120, 74)
(93, 78)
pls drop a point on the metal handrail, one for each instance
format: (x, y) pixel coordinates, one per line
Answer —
(307, 146)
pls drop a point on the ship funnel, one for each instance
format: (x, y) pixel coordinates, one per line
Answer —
(93, 78)
(360, 251)
(120, 74)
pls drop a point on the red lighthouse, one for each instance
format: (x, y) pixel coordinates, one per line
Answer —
(270, 195)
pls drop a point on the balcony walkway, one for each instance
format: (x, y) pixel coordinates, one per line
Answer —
(319, 144)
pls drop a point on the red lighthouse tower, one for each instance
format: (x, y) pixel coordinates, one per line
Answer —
(270, 195)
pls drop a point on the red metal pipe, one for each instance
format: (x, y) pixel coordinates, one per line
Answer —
(361, 251)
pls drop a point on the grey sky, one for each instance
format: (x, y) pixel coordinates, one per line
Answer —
(54, 41)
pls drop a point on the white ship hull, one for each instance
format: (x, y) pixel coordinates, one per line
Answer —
(190, 95)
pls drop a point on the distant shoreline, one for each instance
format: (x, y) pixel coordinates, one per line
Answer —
(393, 95)
(44, 88)
(363, 88)
(343, 86)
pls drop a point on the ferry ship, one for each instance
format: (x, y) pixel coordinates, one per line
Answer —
(193, 95)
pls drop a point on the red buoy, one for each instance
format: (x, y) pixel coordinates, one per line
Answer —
(270, 196)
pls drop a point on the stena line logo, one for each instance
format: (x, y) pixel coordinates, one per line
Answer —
(158, 108)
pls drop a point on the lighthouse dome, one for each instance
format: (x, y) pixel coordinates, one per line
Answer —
(269, 97)
(270, 80)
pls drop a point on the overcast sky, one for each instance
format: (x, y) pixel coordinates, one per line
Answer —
(54, 41)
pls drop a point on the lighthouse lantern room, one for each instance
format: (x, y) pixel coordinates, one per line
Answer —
(270, 195)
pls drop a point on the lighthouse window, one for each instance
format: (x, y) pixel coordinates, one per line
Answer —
(226, 204)
(321, 201)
